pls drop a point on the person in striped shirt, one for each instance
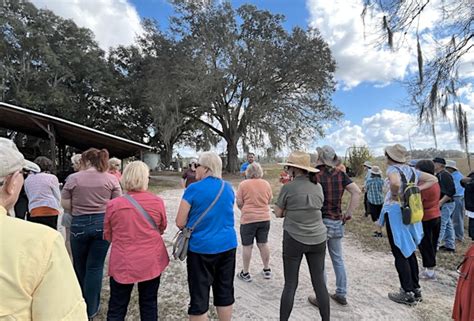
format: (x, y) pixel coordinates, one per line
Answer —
(44, 197)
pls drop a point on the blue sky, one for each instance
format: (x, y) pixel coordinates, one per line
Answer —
(369, 90)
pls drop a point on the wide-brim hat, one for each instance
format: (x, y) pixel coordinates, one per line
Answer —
(451, 164)
(11, 160)
(375, 170)
(300, 160)
(328, 156)
(439, 160)
(367, 164)
(397, 152)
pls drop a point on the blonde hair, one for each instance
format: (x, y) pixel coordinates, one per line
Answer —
(212, 161)
(135, 176)
(254, 170)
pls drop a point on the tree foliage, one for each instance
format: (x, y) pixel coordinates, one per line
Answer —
(356, 158)
(434, 88)
(249, 80)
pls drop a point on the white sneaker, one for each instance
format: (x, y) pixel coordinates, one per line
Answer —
(267, 274)
(428, 275)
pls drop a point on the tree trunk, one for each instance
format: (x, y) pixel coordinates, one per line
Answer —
(232, 156)
(166, 154)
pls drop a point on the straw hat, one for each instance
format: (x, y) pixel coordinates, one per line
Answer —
(367, 164)
(300, 160)
(397, 152)
(451, 164)
(328, 156)
(375, 170)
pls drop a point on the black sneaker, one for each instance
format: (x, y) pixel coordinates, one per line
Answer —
(246, 277)
(402, 297)
(313, 300)
(446, 249)
(417, 295)
(339, 298)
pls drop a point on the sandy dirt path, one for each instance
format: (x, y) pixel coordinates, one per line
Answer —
(371, 275)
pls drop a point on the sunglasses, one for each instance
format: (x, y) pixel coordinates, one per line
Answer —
(197, 165)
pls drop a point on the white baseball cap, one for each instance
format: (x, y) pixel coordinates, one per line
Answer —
(11, 160)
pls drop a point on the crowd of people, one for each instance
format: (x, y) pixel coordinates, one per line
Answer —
(102, 208)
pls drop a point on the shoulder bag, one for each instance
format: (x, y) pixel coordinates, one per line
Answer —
(181, 240)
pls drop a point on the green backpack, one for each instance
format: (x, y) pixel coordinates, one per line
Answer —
(412, 206)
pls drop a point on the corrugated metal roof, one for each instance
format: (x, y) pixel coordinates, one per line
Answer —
(67, 132)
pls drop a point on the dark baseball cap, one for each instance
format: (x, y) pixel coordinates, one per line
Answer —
(439, 160)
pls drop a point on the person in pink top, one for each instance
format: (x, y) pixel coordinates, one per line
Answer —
(85, 195)
(138, 253)
(114, 167)
(253, 198)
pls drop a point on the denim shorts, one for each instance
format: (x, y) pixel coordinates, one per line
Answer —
(257, 230)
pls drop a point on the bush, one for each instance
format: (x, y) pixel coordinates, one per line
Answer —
(356, 158)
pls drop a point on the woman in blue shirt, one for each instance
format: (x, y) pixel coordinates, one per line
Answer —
(213, 243)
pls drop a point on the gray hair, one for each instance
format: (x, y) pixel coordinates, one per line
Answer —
(213, 162)
(254, 170)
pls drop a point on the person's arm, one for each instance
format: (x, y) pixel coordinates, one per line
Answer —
(164, 220)
(465, 181)
(183, 212)
(107, 223)
(239, 197)
(66, 195)
(57, 296)
(116, 189)
(279, 212)
(426, 180)
(355, 192)
(395, 183)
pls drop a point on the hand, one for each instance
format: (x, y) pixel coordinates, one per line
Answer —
(346, 218)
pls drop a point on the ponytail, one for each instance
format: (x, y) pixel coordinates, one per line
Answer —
(96, 158)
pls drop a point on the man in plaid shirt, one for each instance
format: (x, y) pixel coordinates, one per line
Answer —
(334, 183)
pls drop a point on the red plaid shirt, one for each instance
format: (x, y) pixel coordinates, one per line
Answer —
(334, 183)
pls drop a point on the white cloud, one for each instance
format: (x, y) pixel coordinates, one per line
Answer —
(355, 49)
(114, 22)
(389, 127)
(357, 58)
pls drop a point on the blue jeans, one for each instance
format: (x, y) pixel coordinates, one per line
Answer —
(446, 232)
(458, 218)
(89, 250)
(334, 245)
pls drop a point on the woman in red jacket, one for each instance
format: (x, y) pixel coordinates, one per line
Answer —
(138, 253)
(431, 222)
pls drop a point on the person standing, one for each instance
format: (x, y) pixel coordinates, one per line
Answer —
(458, 215)
(367, 167)
(189, 176)
(138, 253)
(403, 238)
(304, 233)
(250, 160)
(253, 198)
(114, 167)
(431, 222)
(44, 197)
(374, 192)
(447, 205)
(85, 196)
(334, 184)
(212, 246)
(468, 184)
(37, 281)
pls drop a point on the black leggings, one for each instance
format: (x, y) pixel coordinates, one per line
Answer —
(292, 255)
(429, 242)
(407, 267)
